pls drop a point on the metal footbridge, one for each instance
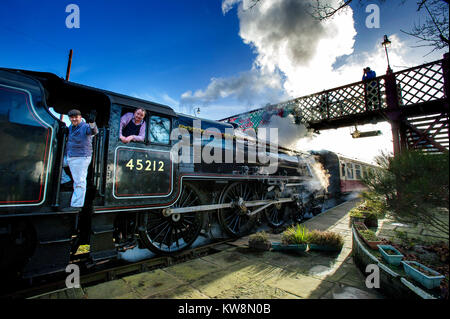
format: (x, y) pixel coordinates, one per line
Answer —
(414, 101)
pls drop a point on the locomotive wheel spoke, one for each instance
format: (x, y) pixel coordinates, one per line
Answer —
(235, 221)
(166, 235)
(275, 215)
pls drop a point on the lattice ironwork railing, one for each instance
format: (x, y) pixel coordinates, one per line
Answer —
(415, 85)
(421, 84)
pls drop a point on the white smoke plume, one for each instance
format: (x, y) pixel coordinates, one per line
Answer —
(322, 180)
(288, 132)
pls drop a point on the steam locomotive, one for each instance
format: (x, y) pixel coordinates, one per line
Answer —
(137, 193)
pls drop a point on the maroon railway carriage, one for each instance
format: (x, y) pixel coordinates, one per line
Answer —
(346, 174)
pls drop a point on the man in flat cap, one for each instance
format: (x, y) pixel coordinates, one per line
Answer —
(368, 74)
(371, 87)
(78, 156)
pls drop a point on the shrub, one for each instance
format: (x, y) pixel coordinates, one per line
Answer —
(326, 238)
(415, 186)
(295, 235)
(374, 203)
(259, 237)
(356, 212)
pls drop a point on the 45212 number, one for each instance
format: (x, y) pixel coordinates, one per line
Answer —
(147, 165)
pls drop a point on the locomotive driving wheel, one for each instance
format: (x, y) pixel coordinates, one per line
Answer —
(168, 234)
(235, 220)
(276, 214)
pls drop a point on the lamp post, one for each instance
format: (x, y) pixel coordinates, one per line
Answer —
(195, 111)
(386, 43)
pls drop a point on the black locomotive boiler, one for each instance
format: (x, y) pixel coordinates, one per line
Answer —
(136, 194)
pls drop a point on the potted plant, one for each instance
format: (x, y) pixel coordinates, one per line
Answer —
(356, 215)
(259, 241)
(293, 238)
(325, 240)
(390, 254)
(428, 277)
(370, 238)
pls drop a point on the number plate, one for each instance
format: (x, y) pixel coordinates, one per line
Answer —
(142, 173)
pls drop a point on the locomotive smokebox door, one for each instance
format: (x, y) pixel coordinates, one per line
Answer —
(142, 173)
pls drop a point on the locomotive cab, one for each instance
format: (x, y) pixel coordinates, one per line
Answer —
(34, 140)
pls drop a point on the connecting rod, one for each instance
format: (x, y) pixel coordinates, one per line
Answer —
(203, 208)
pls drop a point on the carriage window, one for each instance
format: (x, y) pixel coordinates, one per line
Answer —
(159, 131)
(358, 171)
(350, 171)
(343, 169)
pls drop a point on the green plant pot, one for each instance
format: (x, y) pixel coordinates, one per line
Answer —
(393, 259)
(323, 247)
(295, 247)
(428, 281)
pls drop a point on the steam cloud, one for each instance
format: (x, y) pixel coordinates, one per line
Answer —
(288, 132)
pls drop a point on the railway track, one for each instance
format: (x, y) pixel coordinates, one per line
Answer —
(108, 271)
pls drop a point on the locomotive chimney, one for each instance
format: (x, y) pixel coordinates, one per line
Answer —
(69, 64)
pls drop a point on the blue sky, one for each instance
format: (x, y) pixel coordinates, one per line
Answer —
(174, 51)
(144, 47)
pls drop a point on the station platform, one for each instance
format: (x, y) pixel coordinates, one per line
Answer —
(237, 272)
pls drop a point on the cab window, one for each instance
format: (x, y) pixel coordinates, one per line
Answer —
(129, 126)
(159, 129)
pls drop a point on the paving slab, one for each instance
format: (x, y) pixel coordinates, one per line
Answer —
(340, 291)
(150, 283)
(300, 285)
(180, 292)
(110, 290)
(225, 279)
(354, 278)
(256, 290)
(193, 269)
(226, 258)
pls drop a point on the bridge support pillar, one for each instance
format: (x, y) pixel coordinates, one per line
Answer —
(398, 136)
(394, 114)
